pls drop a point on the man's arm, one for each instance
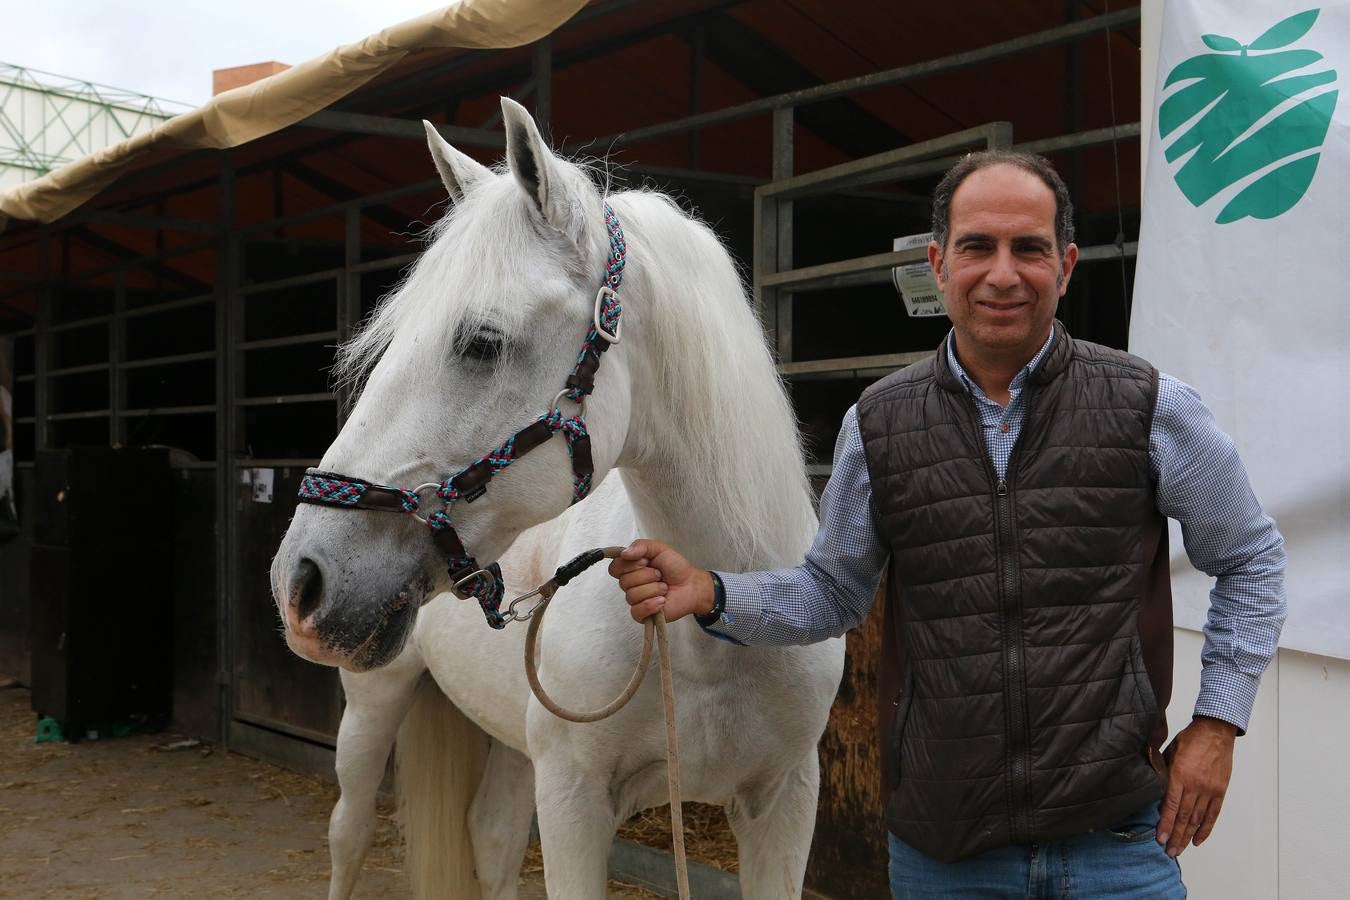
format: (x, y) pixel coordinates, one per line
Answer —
(829, 593)
(1202, 483)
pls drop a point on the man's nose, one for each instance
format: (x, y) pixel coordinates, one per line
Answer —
(1003, 270)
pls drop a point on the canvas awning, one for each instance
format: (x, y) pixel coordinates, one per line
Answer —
(255, 110)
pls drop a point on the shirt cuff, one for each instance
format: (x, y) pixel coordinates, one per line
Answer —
(741, 616)
(1227, 694)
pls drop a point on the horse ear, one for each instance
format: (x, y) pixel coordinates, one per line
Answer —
(533, 165)
(459, 172)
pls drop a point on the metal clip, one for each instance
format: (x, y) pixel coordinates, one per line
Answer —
(513, 614)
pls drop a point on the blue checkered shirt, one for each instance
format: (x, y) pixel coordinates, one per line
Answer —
(1200, 482)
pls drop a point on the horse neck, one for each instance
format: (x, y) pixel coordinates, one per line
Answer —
(713, 460)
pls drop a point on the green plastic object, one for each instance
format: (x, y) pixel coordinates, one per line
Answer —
(48, 731)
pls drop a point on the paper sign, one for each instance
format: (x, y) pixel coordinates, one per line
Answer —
(915, 281)
(261, 479)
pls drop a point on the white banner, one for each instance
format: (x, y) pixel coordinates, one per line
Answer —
(1243, 283)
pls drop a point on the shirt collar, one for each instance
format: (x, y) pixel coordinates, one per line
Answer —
(1017, 381)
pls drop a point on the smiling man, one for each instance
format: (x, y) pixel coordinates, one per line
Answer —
(1015, 487)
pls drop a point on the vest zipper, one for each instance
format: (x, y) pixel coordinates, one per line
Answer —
(1014, 662)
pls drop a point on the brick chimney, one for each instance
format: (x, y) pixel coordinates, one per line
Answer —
(223, 80)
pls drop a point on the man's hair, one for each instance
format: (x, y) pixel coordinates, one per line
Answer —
(1027, 162)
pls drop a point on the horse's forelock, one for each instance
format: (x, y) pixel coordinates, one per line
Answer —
(483, 238)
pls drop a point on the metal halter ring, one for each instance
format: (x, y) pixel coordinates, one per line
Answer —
(606, 290)
(557, 405)
(417, 492)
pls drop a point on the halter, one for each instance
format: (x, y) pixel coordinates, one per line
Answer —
(485, 583)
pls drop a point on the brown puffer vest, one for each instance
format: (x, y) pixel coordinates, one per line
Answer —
(1027, 659)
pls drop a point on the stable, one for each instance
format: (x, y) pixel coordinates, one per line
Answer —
(186, 288)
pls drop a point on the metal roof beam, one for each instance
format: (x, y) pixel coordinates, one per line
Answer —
(388, 126)
(766, 69)
(133, 220)
(134, 258)
(1039, 40)
(336, 190)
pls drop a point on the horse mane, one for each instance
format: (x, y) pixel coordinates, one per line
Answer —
(738, 438)
(738, 432)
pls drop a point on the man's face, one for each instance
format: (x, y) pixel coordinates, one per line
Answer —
(1000, 274)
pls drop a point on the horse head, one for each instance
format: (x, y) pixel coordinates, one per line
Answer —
(473, 346)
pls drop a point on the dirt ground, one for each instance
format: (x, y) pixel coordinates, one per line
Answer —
(119, 818)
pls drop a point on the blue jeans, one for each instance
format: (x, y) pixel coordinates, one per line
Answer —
(1123, 862)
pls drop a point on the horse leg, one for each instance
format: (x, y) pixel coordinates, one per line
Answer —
(499, 821)
(773, 826)
(576, 827)
(376, 704)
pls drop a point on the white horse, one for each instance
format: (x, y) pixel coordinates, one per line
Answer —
(688, 410)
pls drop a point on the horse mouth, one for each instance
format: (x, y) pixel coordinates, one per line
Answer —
(361, 640)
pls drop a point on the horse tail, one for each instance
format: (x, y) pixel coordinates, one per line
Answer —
(440, 760)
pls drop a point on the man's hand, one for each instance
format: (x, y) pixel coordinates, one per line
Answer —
(1201, 762)
(654, 577)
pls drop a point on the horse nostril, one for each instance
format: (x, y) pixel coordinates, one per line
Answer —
(309, 587)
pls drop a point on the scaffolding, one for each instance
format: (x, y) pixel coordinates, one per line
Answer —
(48, 120)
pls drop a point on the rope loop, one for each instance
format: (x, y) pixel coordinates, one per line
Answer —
(654, 626)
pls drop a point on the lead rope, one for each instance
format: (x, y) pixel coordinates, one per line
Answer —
(653, 624)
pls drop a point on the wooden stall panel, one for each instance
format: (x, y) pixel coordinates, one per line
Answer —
(273, 687)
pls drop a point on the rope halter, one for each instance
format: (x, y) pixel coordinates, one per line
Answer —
(469, 579)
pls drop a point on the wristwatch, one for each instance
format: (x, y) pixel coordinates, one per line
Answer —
(718, 615)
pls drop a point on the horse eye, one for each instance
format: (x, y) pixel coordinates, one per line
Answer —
(484, 346)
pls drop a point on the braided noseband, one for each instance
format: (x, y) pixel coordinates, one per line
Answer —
(485, 583)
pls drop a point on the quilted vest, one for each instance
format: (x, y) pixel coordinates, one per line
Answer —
(1027, 658)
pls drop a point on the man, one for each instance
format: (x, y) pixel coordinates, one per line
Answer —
(1015, 486)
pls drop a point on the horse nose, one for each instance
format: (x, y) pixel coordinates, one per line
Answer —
(305, 597)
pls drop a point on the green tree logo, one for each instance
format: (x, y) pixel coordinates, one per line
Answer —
(1224, 101)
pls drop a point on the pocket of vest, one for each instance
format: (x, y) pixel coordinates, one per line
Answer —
(1143, 688)
(901, 703)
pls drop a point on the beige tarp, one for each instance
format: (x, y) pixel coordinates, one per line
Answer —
(253, 111)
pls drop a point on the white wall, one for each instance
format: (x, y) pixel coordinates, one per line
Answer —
(1285, 827)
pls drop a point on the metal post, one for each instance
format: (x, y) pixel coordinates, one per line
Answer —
(1073, 99)
(543, 83)
(117, 341)
(698, 46)
(42, 347)
(227, 269)
(765, 298)
(349, 296)
(782, 168)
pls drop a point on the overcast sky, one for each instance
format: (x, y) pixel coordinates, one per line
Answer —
(168, 48)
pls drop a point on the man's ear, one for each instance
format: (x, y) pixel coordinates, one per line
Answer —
(935, 262)
(1066, 264)
(459, 173)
